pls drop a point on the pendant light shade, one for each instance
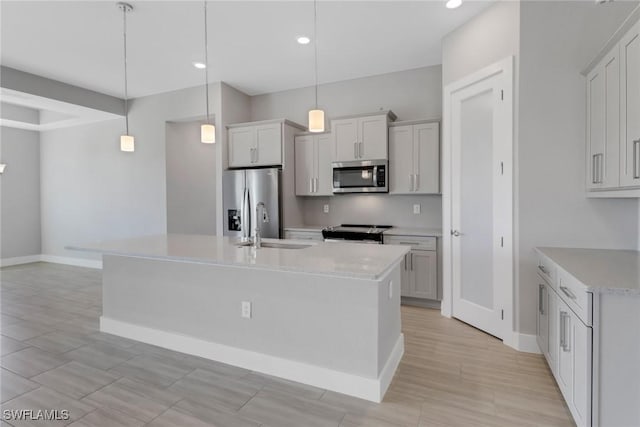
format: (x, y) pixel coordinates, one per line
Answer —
(316, 121)
(207, 130)
(208, 134)
(127, 142)
(316, 116)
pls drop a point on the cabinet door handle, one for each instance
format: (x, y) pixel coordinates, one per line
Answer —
(417, 178)
(360, 149)
(600, 158)
(636, 160)
(257, 153)
(405, 262)
(315, 185)
(310, 185)
(562, 329)
(567, 292)
(540, 296)
(594, 179)
(411, 261)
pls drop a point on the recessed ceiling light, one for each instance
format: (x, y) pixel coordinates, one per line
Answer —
(303, 40)
(199, 65)
(452, 4)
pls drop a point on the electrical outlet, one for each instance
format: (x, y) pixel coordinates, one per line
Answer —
(246, 309)
(325, 209)
(416, 209)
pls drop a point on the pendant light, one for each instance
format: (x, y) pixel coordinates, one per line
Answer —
(316, 116)
(127, 142)
(207, 130)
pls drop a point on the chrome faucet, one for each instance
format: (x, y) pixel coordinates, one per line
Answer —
(257, 241)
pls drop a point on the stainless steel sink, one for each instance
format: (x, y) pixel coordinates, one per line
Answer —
(275, 245)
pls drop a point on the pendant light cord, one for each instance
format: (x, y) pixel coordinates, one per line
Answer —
(315, 44)
(126, 91)
(206, 60)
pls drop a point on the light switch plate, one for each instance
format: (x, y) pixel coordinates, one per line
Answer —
(416, 209)
(325, 209)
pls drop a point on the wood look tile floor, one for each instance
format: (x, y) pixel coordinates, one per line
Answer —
(54, 357)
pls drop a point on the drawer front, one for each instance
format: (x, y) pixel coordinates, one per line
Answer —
(547, 270)
(416, 242)
(303, 235)
(575, 295)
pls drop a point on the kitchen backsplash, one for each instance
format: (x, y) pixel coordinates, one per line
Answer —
(374, 209)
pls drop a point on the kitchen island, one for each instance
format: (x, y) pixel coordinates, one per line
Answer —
(324, 314)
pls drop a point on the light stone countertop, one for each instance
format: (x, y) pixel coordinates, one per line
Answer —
(394, 231)
(351, 260)
(316, 228)
(406, 231)
(600, 270)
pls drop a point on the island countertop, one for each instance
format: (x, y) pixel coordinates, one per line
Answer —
(352, 260)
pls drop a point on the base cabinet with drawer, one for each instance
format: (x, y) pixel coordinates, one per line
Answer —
(589, 338)
(303, 235)
(420, 267)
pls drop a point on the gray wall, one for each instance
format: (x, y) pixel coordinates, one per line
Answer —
(411, 94)
(553, 209)
(93, 191)
(489, 37)
(191, 180)
(20, 193)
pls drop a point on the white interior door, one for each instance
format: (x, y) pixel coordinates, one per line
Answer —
(481, 203)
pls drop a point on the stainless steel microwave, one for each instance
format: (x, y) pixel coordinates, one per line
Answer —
(362, 176)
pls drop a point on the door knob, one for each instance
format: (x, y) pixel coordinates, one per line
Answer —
(455, 233)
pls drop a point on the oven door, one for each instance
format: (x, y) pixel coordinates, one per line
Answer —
(360, 177)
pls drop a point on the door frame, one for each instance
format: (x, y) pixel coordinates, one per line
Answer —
(504, 190)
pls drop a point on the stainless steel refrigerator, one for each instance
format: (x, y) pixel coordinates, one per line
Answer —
(242, 190)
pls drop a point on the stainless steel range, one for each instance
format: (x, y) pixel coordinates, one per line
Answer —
(357, 233)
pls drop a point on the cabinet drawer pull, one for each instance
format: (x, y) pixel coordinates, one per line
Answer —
(409, 243)
(540, 296)
(636, 160)
(567, 292)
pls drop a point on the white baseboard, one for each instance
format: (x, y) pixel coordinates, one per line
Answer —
(524, 342)
(6, 262)
(372, 389)
(78, 262)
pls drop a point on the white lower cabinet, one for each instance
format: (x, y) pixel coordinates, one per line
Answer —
(303, 235)
(419, 268)
(567, 343)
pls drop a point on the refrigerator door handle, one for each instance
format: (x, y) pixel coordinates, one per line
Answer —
(246, 214)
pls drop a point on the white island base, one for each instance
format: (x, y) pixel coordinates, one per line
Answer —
(337, 331)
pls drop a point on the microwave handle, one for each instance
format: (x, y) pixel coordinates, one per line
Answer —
(375, 175)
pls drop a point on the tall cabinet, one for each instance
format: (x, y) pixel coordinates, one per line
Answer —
(414, 158)
(613, 124)
(313, 164)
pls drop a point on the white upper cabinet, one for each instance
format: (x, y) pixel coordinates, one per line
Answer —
(361, 138)
(414, 159)
(313, 165)
(630, 107)
(613, 119)
(255, 145)
(603, 131)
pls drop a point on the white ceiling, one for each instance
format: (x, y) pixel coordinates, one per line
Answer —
(252, 45)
